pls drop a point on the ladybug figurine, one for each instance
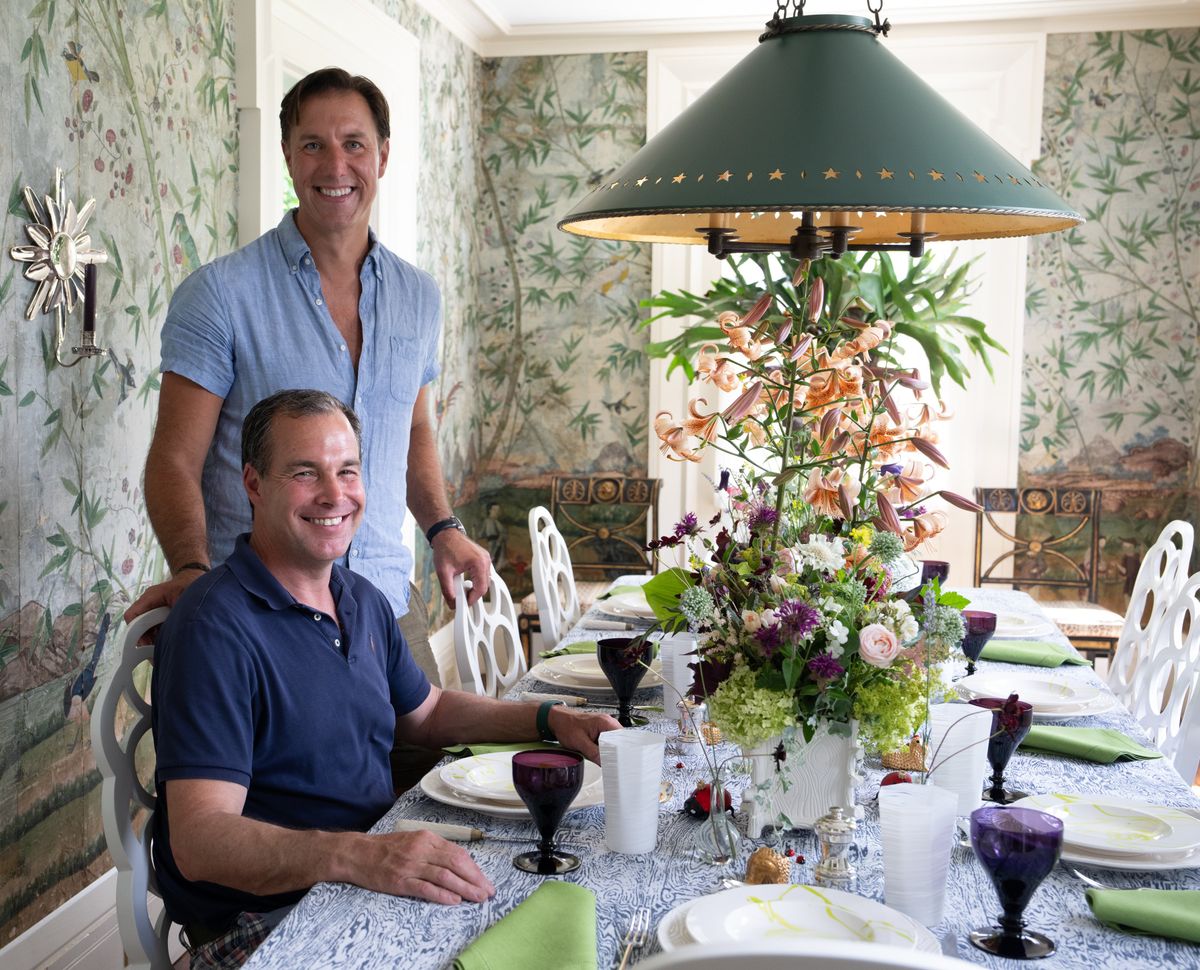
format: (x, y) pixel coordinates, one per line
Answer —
(699, 803)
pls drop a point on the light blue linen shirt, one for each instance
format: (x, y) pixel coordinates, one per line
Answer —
(255, 322)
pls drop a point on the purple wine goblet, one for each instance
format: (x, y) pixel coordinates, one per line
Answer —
(1011, 720)
(547, 782)
(981, 627)
(625, 661)
(1018, 847)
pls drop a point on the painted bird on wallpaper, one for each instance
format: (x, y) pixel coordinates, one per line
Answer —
(79, 71)
(616, 407)
(75, 696)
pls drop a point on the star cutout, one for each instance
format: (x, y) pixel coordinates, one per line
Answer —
(776, 176)
(912, 174)
(1014, 180)
(980, 177)
(936, 175)
(885, 174)
(858, 173)
(749, 176)
(642, 181)
(700, 177)
(830, 173)
(679, 178)
(725, 176)
(958, 175)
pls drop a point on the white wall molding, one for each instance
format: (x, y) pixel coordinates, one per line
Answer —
(487, 31)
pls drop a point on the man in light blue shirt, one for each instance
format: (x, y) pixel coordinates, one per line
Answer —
(315, 302)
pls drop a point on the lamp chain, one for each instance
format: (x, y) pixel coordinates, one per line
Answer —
(880, 28)
(781, 9)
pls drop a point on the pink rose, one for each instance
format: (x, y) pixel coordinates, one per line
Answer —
(877, 645)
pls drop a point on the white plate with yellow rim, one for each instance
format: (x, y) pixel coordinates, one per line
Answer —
(626, 604)
(673, 933)
(1119, 826)
(553, 671)
(1052, 700)
(1021, 625)
(590, 795)
(795, 912)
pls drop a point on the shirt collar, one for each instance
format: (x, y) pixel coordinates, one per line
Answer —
(295, 249)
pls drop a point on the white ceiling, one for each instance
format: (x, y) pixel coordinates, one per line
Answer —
(509, 26)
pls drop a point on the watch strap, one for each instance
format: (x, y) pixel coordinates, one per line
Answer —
(543, 720)
(438, 527)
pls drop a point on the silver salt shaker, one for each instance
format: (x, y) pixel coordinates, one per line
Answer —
(835, 832)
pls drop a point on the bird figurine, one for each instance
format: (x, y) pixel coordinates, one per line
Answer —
(74, 708)
(75, 66)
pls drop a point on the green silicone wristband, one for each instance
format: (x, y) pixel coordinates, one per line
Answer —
(543, 720)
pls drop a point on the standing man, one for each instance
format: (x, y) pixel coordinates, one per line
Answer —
(315, 302)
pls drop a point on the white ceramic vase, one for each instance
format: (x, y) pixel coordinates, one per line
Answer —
(817, 777)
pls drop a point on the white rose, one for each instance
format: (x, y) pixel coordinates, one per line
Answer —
(751, 620)
(877, 645)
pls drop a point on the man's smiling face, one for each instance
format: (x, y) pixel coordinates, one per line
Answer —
(335, 159)
(310, 502)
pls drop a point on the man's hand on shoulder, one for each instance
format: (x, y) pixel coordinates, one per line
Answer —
(580, 730)
(454, 553)
(422, 865)
(162, 594)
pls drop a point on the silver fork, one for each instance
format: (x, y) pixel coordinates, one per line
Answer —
(636, 936)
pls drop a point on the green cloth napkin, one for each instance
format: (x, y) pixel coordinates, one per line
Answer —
(579, 646)
(492, 748)
(1037, 653)
(1103, 745)
(618, 590)
(1173, 913)
(554, 929)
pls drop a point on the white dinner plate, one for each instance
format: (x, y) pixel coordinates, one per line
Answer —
(550, 672)
(626, 604)
(673, 933)
(483, 776)
(795, 912)
(1119, 826)
(1020, 625)
(590, 795)
(1052, 700)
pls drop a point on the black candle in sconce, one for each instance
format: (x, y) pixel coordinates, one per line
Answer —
(89, 298)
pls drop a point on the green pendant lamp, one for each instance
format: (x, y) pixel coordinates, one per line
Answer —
(820, 140)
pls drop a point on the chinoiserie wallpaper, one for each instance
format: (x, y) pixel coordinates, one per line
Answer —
(1112, 392)
(559, 379)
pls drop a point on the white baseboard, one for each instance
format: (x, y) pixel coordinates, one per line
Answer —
(81, 934)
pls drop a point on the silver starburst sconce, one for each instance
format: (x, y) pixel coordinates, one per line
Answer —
(62, 262)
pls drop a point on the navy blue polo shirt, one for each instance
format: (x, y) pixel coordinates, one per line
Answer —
(252, 687)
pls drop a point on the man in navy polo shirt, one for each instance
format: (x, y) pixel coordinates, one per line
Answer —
(280, 678)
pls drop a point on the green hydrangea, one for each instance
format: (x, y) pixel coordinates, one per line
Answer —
(888, 708)
(747, 713)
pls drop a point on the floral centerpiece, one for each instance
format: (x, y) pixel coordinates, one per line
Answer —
(795, 581)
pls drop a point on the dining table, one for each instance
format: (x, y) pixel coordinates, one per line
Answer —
(341, 925)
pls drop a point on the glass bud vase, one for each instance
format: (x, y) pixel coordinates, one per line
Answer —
(718, 840)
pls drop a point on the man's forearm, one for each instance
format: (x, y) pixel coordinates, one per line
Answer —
(458, 718)
(176, 509)
(426, 487)
(256, 857)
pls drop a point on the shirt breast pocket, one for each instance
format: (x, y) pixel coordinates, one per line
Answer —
(405, 368)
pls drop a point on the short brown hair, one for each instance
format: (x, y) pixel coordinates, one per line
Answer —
(256, 428)
(334, 79)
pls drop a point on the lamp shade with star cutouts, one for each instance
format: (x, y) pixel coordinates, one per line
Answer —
(819, 140)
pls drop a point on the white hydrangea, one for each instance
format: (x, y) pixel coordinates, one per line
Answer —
(821, 553)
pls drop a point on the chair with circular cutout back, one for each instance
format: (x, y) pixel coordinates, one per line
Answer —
(144, 939)
(1161, 576)
(1165, 688)
(483, 635)
(553, 578)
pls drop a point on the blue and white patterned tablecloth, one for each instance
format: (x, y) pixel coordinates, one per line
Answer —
(338, 925)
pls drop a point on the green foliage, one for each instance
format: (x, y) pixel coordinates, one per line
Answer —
(925, 304)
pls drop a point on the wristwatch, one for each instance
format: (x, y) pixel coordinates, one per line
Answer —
(438, 527)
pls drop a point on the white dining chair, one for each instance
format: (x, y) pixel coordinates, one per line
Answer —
(553, 578)
(1166, 686)
(1160, 577)
(806, 954)
(144, 937)
(487, 647)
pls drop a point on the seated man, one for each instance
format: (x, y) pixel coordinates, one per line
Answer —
(279, 681)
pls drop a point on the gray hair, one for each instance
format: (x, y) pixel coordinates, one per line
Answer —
(296, 403)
